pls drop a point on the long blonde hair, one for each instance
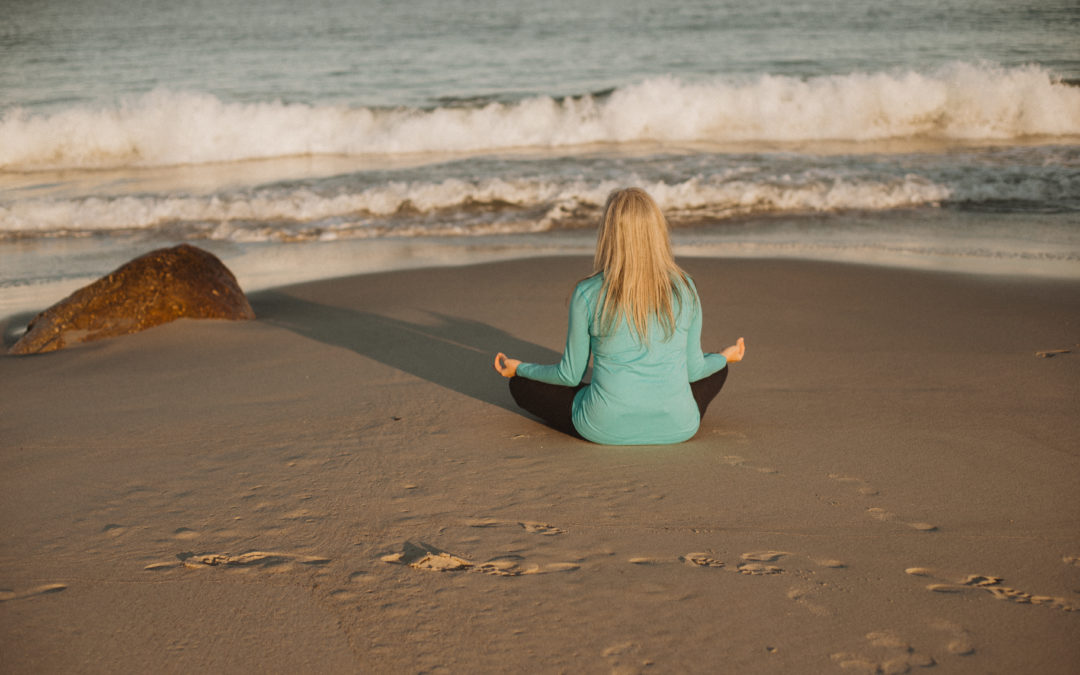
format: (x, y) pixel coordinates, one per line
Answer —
(633, 252)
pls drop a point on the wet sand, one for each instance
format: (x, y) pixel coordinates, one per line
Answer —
(888, 482)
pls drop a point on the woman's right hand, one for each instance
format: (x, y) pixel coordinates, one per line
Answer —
(735, 352)
(505, 366)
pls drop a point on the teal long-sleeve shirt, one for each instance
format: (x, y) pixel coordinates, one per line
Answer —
(639, 393)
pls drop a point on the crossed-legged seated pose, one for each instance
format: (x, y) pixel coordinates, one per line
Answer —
(639, 318)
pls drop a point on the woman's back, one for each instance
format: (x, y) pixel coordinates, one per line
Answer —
(640, 389)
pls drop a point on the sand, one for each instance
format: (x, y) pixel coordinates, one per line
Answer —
(887, 483)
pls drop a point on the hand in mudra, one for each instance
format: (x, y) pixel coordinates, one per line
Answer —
(735, 352)
(506, 366)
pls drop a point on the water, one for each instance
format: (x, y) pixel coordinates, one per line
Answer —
(348, 136)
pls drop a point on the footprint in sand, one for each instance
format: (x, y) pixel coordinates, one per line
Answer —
(701, 560)
(184, 533)
(754, 563)
(503, 566)
(866, 490)
(830, 563)
(541, 528)
(891, 655)
(424, 556)
(439, 562)
(483, 522)
(752, 560)
(514, 566)
(959, 640)
(886, 517)
(991, 585)
(45, 589)
(264, 559)
(758, 569)
(742, 463)
(532, 527)
(759, 563)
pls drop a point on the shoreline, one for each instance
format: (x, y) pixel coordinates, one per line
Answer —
(263, 265)
(344, 484)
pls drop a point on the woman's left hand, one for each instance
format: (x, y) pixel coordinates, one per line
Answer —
(505, 366)
(735, 352)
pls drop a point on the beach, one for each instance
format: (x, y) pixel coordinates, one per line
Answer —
(882, 198)
(887, 483)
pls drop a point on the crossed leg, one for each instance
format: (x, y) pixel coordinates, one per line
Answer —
(554, 403)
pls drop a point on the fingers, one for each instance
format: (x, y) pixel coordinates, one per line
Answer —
(505, 366)
(735, 352)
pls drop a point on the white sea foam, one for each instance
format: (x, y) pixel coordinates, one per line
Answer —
(521, 205)
(959, 102)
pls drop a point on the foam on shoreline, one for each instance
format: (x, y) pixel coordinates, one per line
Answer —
(961, 101)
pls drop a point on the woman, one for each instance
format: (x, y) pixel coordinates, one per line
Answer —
(639, 317)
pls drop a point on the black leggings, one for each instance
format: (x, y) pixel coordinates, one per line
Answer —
(553, 402)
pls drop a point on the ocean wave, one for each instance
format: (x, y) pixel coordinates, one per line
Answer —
(962, 101)
(450, 206)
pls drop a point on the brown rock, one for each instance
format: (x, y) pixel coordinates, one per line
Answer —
(156, 288)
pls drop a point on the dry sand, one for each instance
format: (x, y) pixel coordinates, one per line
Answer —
(888, 482)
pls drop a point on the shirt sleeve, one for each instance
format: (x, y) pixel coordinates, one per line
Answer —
(699, 365)
(569, 371)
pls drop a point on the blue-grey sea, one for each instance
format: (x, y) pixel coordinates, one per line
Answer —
(300, 140)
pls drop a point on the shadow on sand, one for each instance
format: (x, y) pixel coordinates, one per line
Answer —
(12, 328)
(452, 352)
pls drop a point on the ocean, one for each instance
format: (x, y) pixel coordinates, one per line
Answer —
(299, 141)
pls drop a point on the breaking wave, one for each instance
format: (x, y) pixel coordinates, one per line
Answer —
(450, 206)
(969, 102)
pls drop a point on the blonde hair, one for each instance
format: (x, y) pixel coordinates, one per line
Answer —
(633, 252)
